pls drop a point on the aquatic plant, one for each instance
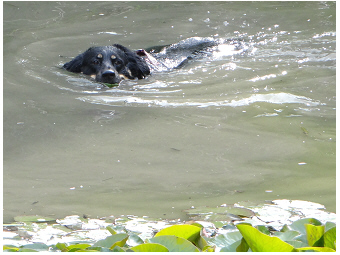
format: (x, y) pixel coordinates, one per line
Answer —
(302, 235)
(281, 225)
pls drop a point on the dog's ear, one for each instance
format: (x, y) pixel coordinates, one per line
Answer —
(138, 67)
(121, 47)
(75, 64)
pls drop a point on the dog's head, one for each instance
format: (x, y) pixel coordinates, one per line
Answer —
(109, 64)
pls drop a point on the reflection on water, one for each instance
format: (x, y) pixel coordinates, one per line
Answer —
(241, 118)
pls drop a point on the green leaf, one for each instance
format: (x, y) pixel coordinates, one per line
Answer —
(27, 250)
(79, 246)
(112, 241)
(299, 225)
(118, 249)
(200, 242)
(319, 249)
(286, 236)
(315, 235)
(74, 249)
(233, 247)
(243, 247)
(329, 225)
(259, 242)
(175, 243)
(189, 232)
(10, 248)
(227, 239)
(120, 243)
(218, 224)
(149, 247)
(330, 238)
(36, 246)
(111, 230)
(134, 240)
(62, 247)
(263, 229)
(297, 244)
(209, 248)
(284, 228)
(111, 85)
(101, 249)
(80, 250)
(197, 225)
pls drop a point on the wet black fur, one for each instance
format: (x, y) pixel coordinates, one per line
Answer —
(109, 64)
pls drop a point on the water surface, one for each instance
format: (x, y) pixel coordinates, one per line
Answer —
(251, 125)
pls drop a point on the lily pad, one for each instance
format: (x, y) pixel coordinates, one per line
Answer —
(330, 238)
(229, 241)
(149, 247)
(188, 232)
(36, 246)
(175, 244)
(299, 225)
(287, 235)
(134, 240)
(319, 249)
(112, 241)
(259, 242)
(315, 235)
(79, 246)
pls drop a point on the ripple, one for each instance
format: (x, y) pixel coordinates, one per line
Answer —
(215, 81)
(273, 98)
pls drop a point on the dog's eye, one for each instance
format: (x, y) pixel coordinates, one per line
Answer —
(95, 62)
(118, 63)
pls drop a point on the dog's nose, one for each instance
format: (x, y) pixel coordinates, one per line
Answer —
(109, 74)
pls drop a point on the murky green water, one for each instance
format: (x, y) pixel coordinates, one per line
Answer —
(254, 126)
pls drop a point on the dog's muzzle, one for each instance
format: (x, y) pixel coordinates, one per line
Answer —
(109, 76)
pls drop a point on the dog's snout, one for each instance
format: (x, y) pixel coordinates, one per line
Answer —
(109, 74)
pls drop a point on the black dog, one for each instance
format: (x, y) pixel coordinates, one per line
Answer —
(111, 64)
